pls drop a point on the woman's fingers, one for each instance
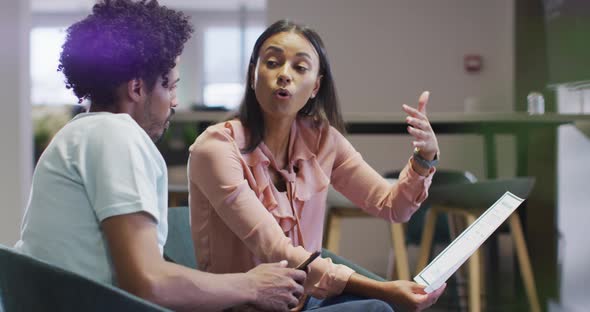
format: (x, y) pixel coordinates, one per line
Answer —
(413, 112)
(418, 123)
(418, 134)
(422, 101)
(420, 128)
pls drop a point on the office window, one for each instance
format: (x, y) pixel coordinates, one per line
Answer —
(213, 63)
(226, 57)
(47, 84)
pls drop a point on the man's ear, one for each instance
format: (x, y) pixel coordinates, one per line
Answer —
(136, 89)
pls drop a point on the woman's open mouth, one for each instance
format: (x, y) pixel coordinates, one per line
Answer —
(282, 94)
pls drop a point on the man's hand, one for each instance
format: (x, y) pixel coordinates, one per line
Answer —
(277, 287)
(410, 295)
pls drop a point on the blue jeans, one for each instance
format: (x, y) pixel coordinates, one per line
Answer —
(346, 303)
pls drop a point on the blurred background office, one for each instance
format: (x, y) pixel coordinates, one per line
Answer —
(474, 56)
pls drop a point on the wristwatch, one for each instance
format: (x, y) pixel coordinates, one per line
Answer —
(426, 164)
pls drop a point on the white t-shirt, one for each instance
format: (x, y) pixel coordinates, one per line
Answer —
(98, 166)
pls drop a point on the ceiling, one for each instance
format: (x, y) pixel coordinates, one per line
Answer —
(196, 5)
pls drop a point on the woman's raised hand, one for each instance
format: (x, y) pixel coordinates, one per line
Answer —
(419, 127)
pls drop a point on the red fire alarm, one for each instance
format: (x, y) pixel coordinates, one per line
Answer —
(472, 63)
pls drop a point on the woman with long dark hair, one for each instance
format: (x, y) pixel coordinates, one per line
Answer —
(258, 183)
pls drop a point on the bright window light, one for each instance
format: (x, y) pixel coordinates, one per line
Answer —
(47, 84)
(226, 95)
(226, 64)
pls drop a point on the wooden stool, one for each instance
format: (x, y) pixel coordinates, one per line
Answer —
(468, 201)
(177, 186)
(339, 207)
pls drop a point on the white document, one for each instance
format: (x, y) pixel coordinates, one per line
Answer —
(450, 259)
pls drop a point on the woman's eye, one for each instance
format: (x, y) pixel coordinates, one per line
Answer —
(271, 64)
(301, 68)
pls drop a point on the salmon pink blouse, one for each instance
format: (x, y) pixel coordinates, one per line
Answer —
(239, 219)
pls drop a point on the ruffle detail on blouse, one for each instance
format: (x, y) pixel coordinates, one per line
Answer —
(308, 176)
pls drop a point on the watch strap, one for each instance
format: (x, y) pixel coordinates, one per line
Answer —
(426, 164)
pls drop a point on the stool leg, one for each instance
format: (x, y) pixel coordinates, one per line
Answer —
(456, 224)
(400, 252)
(524, 262)
(426, 240)
(173, 199)
(334, 229)
(474, 276)
(483, 255)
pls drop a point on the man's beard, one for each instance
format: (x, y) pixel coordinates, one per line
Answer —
(153, 127)
(157, 139)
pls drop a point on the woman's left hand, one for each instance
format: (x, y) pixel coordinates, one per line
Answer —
(419, 127)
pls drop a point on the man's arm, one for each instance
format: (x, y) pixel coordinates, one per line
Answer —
(141, 270)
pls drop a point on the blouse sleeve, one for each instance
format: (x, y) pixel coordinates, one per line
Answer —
(361, 184)
(216, 168)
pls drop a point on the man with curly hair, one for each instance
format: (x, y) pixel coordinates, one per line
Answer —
(98, 203)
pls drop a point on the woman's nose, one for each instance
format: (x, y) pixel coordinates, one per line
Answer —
(284, 77)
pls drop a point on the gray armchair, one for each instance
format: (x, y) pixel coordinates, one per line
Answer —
(28, 284)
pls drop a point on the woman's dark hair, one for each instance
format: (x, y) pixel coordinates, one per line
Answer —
(121, 40)
(323, 107)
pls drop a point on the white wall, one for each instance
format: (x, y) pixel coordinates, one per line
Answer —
(15, 117)
(385, 52)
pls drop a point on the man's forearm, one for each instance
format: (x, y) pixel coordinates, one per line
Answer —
(183, 289)
(141, 270)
